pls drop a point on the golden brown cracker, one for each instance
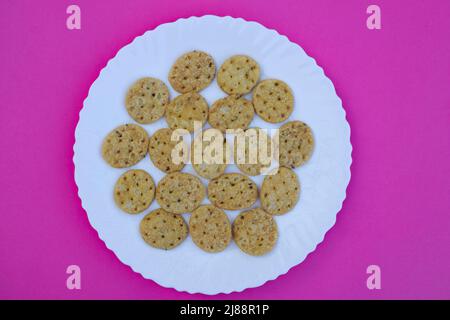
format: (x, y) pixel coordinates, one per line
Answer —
(163, 230)
(238, 75)
(160, 149)
(210, 228)
(134, 191)
(231, 113)
(209, 153)
(273, 100)
(180, 192)
(280, 191)
(146, 100)
(185, 109)
(125, 146)
(252, 151)
(255, 232)
(232, 191)
(296, 144)
(193, 71)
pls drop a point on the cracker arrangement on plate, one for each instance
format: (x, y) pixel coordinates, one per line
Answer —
(254, 229)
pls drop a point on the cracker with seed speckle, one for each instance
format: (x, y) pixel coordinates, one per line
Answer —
(280, 191)
(185, 109)
(252, 151)
(232, 191)
(203, 160)
(296, 144)
(210, 228)
(273, 100)
(238, 75)
(180, 192)
(146, 100)
(125, 146)
(255, 232)
(134, 191)
(163, 230)
(193, 71)
(160, 151)
(231, 113)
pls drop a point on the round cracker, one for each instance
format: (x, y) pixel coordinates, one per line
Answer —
(180, 192)
(160, 149)
(296, 144)
(210, 228)
(125, 146)
(273, 100)
(231, 113)
(134, 191)
(280, 191)
(163, 230)
(232, 191)
(255, 232)
(193, 71)
(238, 75)
(146, 100)
(203, 154)
(252, 151)
(185, 109)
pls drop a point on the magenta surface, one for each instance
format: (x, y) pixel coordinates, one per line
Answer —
(395, 87)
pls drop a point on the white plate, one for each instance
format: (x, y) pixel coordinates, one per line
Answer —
(324, 178)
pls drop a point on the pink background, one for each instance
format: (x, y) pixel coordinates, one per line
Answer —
(395, 87)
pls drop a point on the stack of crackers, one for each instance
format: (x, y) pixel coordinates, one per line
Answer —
(254, 229)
